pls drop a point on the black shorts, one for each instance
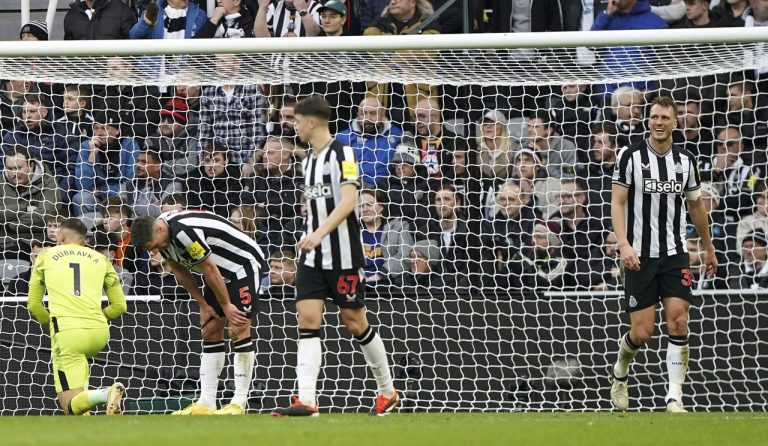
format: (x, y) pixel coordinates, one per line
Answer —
(345, 287)
(658, 278)
(243, 293)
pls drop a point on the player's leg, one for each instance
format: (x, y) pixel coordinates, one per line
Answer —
(211, 360)
(375, 353)
(641, 296)
(675, 289)
(349, 295)
(71, 350)
(241, 293)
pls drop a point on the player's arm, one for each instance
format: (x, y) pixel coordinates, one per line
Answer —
(700, 221)
(342, 210)
(36, 292)
(187, 281)
(117, 304)
(619, 194)
(213, 279)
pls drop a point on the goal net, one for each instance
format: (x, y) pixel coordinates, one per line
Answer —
(491, 269)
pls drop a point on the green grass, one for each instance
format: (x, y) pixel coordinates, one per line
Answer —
(647, 429)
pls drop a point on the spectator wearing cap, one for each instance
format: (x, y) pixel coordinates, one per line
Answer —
(231, 19)
(150, 185)
(105, 164)
(423, 271)
(541, 266)
(169, 19)
(406, 188)
(34, 30)
(495, 145)
(44, 139)
(533, 179)
(333, 17)
(98, 20)
(754, 262)
(558, 153)
(287, 18)
(374, 138)
(386, 239)
(179, 152)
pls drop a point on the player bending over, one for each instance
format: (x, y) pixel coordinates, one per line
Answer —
(230, 263)
(74, 276)
(331, 263)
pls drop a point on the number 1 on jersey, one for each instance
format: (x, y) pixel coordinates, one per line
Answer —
(76, 270)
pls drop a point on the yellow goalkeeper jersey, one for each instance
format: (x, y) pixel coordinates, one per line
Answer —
(74, 278)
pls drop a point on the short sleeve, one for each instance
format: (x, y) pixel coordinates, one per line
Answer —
(694, 179)
(348, 166)
(193, 243)
(622, 173)
(314, 11)
(271, 18)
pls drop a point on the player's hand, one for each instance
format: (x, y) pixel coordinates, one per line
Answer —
(150, 14)
(234, 315)
(309, 242)
(264, 3)
(629, 257)
(207, 314)
(711, 261)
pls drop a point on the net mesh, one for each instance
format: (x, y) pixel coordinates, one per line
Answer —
(491, 266)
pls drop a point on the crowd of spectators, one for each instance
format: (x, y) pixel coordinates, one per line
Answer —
(513, 195)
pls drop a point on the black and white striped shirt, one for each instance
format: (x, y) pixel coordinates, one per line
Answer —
(282, 19)
(324, 174)
(655, 213)
(196, 235)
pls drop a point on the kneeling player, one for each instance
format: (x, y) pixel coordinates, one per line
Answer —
(74, 276)
(230, 263)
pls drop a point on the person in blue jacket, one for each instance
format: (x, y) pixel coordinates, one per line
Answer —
(105, 162)
(374, 139)
(630, 61)
(169, 19)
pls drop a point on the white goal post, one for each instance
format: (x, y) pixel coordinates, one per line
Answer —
(498, 331)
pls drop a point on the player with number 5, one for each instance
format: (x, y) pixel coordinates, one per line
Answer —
(230, 263)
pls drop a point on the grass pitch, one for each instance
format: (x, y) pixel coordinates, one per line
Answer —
(398, 429)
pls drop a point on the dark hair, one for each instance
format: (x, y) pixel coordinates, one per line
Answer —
(17, 149)
(214, 147)
(141, 231)
(314, 105)
(289, 101)
(282, 255)
(83, 92)
(663, 101)
(380, 197)
(76, 225)
(174, 199)
(116, 203)
(543, 116)
(35, 98)
(152, 153)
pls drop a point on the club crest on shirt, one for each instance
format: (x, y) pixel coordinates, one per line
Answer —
(679, 168)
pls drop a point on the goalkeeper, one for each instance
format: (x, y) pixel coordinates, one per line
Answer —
(74, 276)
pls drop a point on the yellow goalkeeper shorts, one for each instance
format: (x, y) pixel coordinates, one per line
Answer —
(70, 350)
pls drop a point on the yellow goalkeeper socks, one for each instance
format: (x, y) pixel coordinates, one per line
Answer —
(87, 400)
